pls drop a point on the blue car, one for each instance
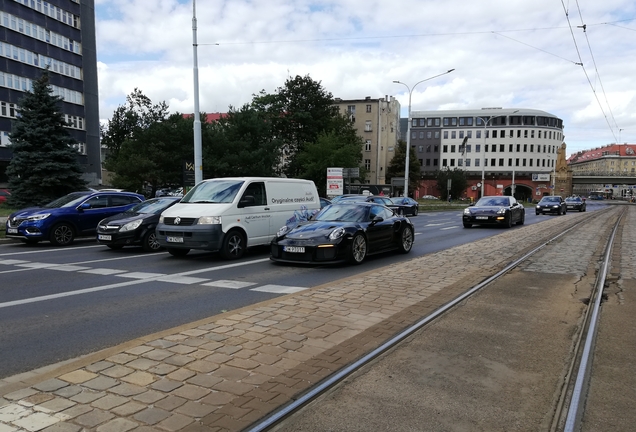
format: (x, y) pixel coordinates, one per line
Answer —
(74, 215)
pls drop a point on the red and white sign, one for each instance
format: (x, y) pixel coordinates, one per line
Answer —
(335, 184)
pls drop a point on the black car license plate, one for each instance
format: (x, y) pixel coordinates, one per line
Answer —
(294, 249)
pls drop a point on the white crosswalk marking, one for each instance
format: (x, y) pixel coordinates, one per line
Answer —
(229, 284)
(36, 265)
(279, 289)
(186, 280)
(12, 262)
(103, 271)
(68, 268)
(140, 275)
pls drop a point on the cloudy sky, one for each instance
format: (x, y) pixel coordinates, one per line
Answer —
(573, 59)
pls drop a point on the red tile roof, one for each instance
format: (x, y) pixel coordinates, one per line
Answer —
(621, 150)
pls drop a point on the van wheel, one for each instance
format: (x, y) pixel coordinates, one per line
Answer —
(234, 245)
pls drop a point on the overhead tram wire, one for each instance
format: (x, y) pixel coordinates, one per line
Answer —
(567, 17)
(600, 81)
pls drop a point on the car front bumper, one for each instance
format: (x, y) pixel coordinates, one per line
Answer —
(202, 237)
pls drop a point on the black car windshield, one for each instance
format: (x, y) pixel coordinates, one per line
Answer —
(573, 199)
(214, 191)
(493, 202)
(402, 201)
(343, 213)
(153, 206)
(69, 200)
(550, 199)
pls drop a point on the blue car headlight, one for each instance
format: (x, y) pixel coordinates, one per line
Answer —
(130, 226)
(38, 217)
(337, 233)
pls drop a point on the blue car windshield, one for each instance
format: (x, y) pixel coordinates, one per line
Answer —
(343, 213)
(214, 191)
(70, 200)
(153, 206)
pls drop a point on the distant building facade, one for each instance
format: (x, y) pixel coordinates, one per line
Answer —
(377, 121)
(60, 35)
(503, 144)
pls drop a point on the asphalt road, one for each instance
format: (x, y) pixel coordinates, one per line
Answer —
(59, 303)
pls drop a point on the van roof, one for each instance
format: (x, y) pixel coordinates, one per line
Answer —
(258, 178)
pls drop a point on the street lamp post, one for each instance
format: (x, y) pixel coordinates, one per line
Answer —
(408, 129)
(198, 159)
(483, 152)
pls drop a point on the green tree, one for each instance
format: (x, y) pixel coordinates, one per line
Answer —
(396, 166)
(241, 144)
(44, 164)
(127, 121)
(154, 155)
(299, 112)
(458, 182)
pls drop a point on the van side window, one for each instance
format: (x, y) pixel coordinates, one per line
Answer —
(256, 190)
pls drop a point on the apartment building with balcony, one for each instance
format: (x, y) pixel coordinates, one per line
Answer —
(377, 121)
(58, 35)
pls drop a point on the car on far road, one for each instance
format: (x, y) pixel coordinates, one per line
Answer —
(4, 195)
(343, 232)
(575, 203)
(74, 215)
(429, 197)
(551, 204)
(406, 206)
(135, 226)
(494, 210)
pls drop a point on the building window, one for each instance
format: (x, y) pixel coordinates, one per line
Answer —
(421, 134)
(420, 148)
(445, 148)
(467, 162)
(468, 148)
(477, 148)
(469, 134)
(428, 163)
(422, 122)
(367, 145)
(351, 109)
(478, 134)
(368, 108)
(532, 133)
(428, 148)
(453, 135)
(367, 126)
(502, 148)
(445, 134)
(444, 162)
(413, 135)
(429, 135)
(436, 134)
(476, 162)
(452, 162)
(452, 149)
(531, 148)
(367, 164)
(461, 134)
(525, 133)
(435, 162)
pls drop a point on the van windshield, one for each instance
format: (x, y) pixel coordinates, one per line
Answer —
(213, 191)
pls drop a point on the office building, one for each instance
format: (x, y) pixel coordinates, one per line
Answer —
(58, 35)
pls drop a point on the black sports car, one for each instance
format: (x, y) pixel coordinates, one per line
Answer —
(551, 204)
(343, 232)
(135, 226)
(494, 210)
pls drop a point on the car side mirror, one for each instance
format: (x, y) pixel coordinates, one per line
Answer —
(84, 206)
(247, 201)
(377, 219)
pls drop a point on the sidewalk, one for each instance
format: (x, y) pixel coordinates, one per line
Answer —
(228, 371)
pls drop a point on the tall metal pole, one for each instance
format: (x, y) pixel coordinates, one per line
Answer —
(408, 129)
(483, 157)
(198, 159)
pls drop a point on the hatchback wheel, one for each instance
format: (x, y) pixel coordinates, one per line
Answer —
(150, 242)
(62, 235)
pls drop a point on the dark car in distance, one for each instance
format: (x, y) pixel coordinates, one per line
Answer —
(551, 204)
(575, 203)
(74, 215)
(135, 226)
(494, 210)
(406, 206)
(346, 232)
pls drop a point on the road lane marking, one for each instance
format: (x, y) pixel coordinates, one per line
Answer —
(185, 280)
(447, 228)
(229, 284)
(279, 289)
(103, 271)
(48, 250)
(124, 284)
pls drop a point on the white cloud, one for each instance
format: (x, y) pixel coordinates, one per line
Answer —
(508, 54)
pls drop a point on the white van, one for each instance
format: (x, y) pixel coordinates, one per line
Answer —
(233, 213)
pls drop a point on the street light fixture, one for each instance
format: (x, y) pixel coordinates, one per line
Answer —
(408, 129)
(483, 153)
(198, 159)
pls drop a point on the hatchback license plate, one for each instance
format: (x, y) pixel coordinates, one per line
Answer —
(174, 239)
(12, 231)
(294, 249)
(104, 237)
(481, 217)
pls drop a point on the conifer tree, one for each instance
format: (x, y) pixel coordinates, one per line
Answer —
(44, 164)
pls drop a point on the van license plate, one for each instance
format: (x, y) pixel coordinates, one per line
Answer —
(174, 239)
(294, 249)
(12, 231)
(104, 237)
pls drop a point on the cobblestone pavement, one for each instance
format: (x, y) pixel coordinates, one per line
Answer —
(228, 371)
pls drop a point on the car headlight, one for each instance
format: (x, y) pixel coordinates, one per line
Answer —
(555, 206)
(38, 217)
(538, 206)
(283, 230)
(161, 219)
(131, 226)
(501, 211)
(466, 211)
(209, 220)
(337, 233)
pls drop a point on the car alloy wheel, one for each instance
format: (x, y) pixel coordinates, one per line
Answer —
(233, 245)
(150, 242)
(406, 243)
(358, 249)
(62, 235)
